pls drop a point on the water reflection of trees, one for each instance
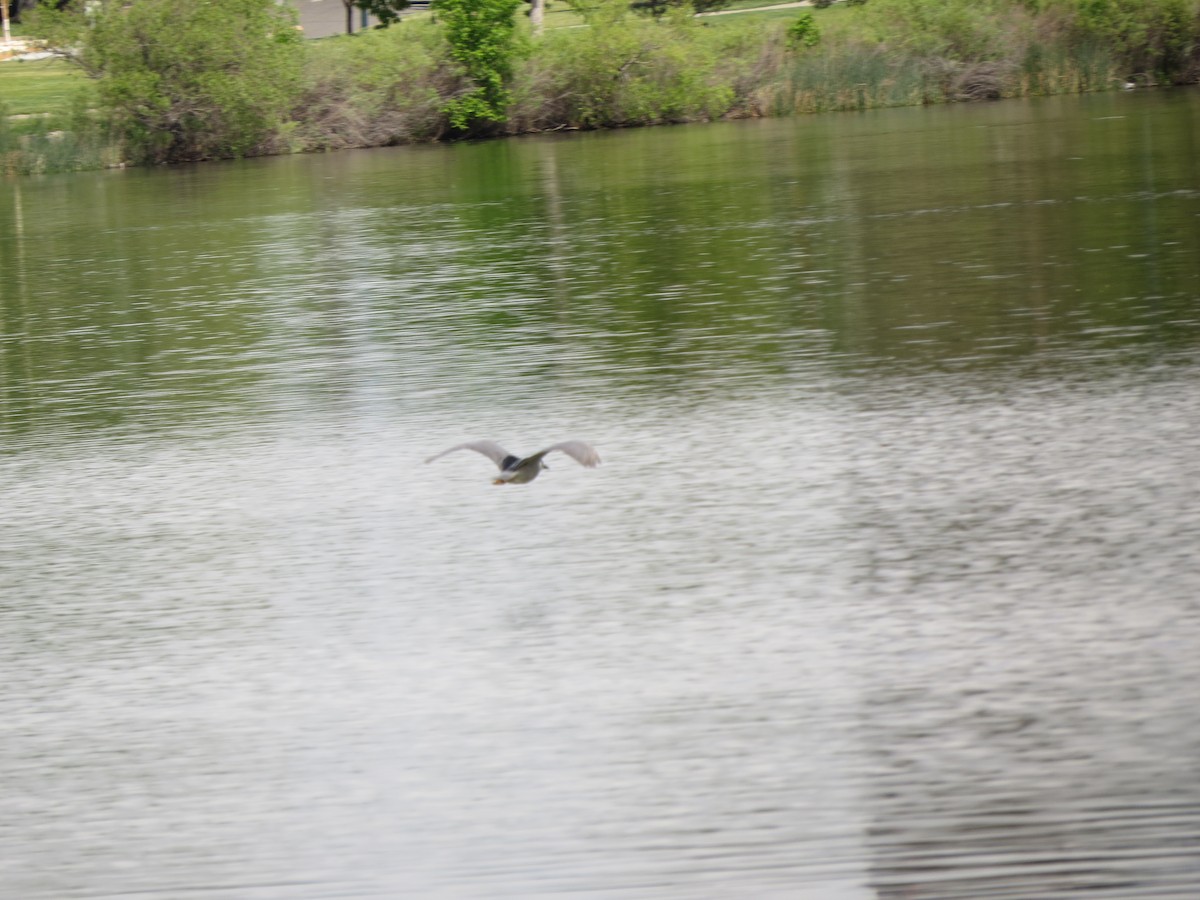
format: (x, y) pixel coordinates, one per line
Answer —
(648, 260)
(738, 252)
(130, 298)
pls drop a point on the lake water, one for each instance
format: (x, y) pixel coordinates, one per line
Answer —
(888, 587)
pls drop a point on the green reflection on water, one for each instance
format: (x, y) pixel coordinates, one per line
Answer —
(961, 238)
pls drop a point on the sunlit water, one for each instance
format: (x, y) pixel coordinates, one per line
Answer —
(888, 586)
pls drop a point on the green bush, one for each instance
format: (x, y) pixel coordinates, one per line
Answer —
(1156, 39)
(624, 70)
(191, 79)
(804, 32)
(962, 30)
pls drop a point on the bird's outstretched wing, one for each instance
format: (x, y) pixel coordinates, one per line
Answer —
(584, 454)
(490, 449)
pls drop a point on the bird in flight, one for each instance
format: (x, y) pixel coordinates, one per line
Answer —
(522, 470)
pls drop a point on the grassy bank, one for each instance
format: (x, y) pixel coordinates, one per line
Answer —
(39, 87)
(47, 121)
(597, 65)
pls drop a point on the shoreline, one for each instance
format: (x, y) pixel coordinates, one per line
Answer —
(330, 111)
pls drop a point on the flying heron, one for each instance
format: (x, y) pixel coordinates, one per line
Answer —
(522, 470)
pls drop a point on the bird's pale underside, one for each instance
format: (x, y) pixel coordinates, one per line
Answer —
(522, 470)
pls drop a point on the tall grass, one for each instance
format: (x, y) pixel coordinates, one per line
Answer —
(909, 52)
(850, 76)
(864, 76)
(74, 141)
(1056, 68)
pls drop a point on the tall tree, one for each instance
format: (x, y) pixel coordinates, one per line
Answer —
(482, 38)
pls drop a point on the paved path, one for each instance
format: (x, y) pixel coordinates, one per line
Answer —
(731, 12)
(321, 18)
(19, 48)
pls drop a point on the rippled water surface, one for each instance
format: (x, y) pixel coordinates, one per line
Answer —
(888, 587)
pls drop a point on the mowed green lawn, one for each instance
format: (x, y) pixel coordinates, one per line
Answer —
(39, 86)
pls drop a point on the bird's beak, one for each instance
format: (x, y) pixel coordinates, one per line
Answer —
(499, 481)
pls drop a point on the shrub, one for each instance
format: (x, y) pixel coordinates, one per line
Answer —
(1157, 39)
(191, 79)
(964, 30)
(377, 87)
(624, 70)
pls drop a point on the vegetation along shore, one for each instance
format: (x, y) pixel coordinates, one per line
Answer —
(158, 81)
